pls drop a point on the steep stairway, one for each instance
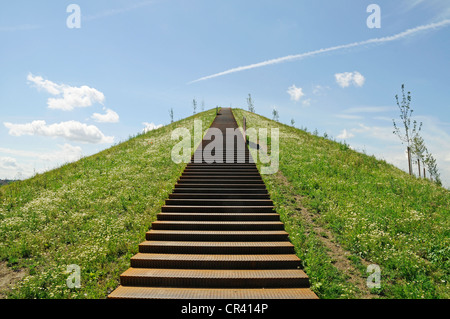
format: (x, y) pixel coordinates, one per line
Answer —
(218, 235)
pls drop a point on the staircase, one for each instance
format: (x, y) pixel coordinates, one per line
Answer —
(217, 236)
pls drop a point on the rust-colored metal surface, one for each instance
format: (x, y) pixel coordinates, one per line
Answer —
(217, 236)
(123, 292)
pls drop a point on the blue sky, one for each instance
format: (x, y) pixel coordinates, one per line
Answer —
(71, 92)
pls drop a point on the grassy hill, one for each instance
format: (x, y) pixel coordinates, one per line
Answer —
(92, 213)
(345, 210)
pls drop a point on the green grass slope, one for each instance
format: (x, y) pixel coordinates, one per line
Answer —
(345, 210)
(92, 213)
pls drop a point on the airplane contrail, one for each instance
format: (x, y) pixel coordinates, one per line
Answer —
(288, 58)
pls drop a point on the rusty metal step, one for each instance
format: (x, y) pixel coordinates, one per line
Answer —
(220, 185)
(225, 161)
(216, 225)
(216, 209)
(219, 177)
(123, 292)
(202, 166)
(213, 172)
(199, 154)
(206, 182)
(219, 202)
(216, 196)
(216, 247)
(218, 190)
(215, 278)
(219, 216)
(214, 261)
(216, 235)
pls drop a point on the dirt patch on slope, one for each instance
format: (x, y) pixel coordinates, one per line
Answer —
(8, 278)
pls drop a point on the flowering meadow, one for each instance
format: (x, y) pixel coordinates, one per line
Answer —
(92, 213)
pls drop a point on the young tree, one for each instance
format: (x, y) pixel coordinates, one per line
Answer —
(194, 105)
(430, 162)
(171, 115)
(251, 106)
(275, 114)
(418, 149)
(410, 131)
(292, 122)
(203, 105)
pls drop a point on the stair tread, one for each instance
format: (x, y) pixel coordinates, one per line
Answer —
(219, 184)
(225, 200)
(215, 273)
(214, 257)
(216, 206)
(217, 196)
(237, 190)
(212, 232)
(201, 222)
(219, 243)
(220, 214)
(208, 293)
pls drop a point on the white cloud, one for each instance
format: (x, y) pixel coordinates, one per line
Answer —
(71, 130)
(26, 163)
(76, 97)
(345, 79)
(319, 90)
(289, 58)
(8, 162)
(47, 85)
(358, 79)
(379, 132)
(345, 134)
(306, 102)
(72, 97)
(109, 117)
(150, 127)
(66, 153)
(295, 93)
